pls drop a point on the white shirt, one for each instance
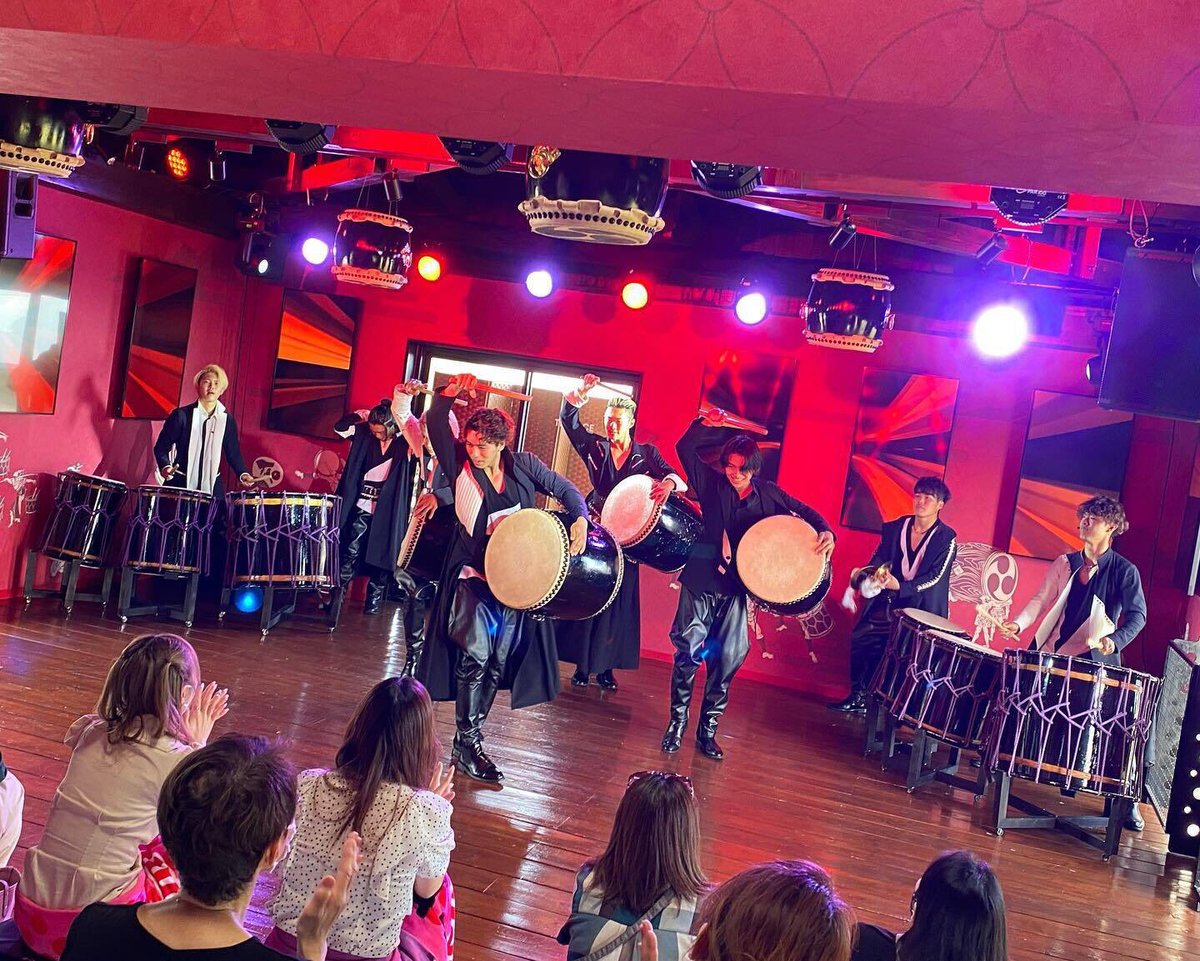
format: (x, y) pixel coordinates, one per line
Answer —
(406, 835)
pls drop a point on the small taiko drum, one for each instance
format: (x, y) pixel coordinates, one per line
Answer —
(86, 510)
(1072, 722)
(781, 566)
(597, 198)
(287, 539)
(848, 309)
(372, 249)
(169, 531)
(948, 687)
(907, 625)
(529, 566)
(657, 535)
(426, 543)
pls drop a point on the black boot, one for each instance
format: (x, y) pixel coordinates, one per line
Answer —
(376, 588)
(706, 738)
(579, 678)
(683, 676)
(414, 644)
(606, 681)
(856, 703)
(476, 691)
(716, 697)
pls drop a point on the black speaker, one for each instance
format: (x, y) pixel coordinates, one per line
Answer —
(18, 219)
(1154, 350)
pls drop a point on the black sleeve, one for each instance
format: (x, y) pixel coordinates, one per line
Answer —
(556, 486)
(231, 448)
(346, 421)
(1133, 608)
(695, 439)
(580, 437)
(803, 511)
(441, 487)
(168, 437)
(659, 468)
(445, 447)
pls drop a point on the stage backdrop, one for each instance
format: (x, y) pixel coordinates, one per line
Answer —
(158, 339)
(312, 362)
(1073, 451)
(33, 315)
(902, 433)
(757, 387)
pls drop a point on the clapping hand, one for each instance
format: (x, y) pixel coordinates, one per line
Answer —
(442, 784)
(327, 901)
(206, 706)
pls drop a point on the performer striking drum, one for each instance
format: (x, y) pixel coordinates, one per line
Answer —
(376, 491)
(710, 621)
(1092, 599)
(478, 644)
(193, 439)
(613, 639)
(909, 569)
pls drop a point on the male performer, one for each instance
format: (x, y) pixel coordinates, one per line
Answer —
(1092, 599)
(710, 621)
(910, 568)
(376, 490)
(479, 645)
(613, 638)
(193, 439)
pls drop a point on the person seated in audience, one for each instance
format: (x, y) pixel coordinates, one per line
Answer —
(779, 911)
(225, 814)
(957, 915)
(388, 787)
(650, 870)
(152, 713)
(12, 803)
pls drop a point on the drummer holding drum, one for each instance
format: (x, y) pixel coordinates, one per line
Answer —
(613, 638)
(710, 621)
(477, 644)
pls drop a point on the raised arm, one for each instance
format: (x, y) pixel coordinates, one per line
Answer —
(697, 438)
(441, 436)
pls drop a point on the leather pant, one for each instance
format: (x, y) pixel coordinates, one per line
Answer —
(354, 547)
(709, 629)
(484, 630)
(417, 603)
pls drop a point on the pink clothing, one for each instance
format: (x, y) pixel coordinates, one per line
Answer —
(45, 931)
(12, 802)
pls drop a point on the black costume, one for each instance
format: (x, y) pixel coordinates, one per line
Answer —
(710, 621)
(478, 645)
(927, 589)
(419, 593)
(613, 638)
(177, 433)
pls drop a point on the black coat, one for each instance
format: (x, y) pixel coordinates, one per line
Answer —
(928, 591)
(177, 431)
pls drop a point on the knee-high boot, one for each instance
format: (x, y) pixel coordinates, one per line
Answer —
(683, 678)
(475, 696)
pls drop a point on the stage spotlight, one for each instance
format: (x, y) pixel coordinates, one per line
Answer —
(842, 234)
(1000, 331)
(298, 137)
(177, 163)
(262, 257)
(726, 181)
(1094, 369)
(635, 295)
(540, 283)
(478, 156)
(121, 119)
(429, 267)
(991, 248)
(751, 307)
(248, 598)
(216, 168)
(315, 250)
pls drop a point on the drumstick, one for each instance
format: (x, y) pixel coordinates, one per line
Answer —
(484, 389)
(740, 423)
(615, 390)
(996, 622)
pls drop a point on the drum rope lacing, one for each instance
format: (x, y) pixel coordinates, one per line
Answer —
(307, 546)
(146, 520)
(87, 515)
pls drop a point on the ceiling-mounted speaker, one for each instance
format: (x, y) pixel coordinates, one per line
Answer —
(478, 156)
(121, 119)
(299, 137)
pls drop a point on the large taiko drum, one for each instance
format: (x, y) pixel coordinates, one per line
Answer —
(286, 539)
(848, 309)
(86, 510)
(907, 624)
(169, 531)
(1072, 722)
(529, 566)
(426, 543)
(657, 535)
(947, 687)
(372, 249)
(778, 561)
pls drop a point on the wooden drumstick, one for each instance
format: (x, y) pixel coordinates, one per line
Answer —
(738, 423)
(995, 621)
(483, 389)
(615, 390)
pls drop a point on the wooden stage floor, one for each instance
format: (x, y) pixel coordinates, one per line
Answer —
(793, 784)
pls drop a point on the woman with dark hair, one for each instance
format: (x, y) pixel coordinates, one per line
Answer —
(957, 915)
(225, 814)
(387, 787)
(650, 870)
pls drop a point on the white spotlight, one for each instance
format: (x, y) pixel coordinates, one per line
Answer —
(751, 308)
(1000, 330)
(539, 283)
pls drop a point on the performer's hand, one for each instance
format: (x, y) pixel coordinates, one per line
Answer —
(426, 507)
(1106, 646)
(207, 706)
(168, 472)
(888, 582)
(660, 490)
(411, 387)
(362, 414)
(443, 784)
(825, 542)
(246, 480)
(713, 417)
(579, 531)
(647, 942)
(1012, 627)
(585, 386)
(461, 384)
(327, 901)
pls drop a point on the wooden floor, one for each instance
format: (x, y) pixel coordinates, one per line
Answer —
(793, 784)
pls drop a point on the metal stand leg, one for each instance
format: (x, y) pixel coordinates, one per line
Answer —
(189, 599)
(70, 586)
(106, 587)
(30, 575)
(125, 597)
(1080, 827)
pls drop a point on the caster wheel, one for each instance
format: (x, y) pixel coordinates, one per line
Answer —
(912, 790)
(124, 619)
(68, 612)
(977, 798)
(221, 616)
(264, 633)
(999, 832)
(187, 623)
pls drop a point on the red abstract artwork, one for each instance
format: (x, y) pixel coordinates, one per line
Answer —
(33, 315)
(902, 434)
(158, 339)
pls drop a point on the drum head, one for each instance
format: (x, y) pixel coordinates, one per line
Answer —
(628, 513)
(925, 619)
(91, 480)
(962, 642)
(527, 559)
(778, 559)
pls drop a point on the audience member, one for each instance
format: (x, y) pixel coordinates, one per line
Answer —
(649, 871)
(225, 814)
(388, 787)
(153, 711)
(12, 803)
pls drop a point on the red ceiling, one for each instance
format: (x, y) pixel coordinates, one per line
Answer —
(1101, 96)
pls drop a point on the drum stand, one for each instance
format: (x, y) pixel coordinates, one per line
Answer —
(1077, 826)
(881, 731)
(69, 591)
(186, 613)
(270, 616)
(920, 772)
